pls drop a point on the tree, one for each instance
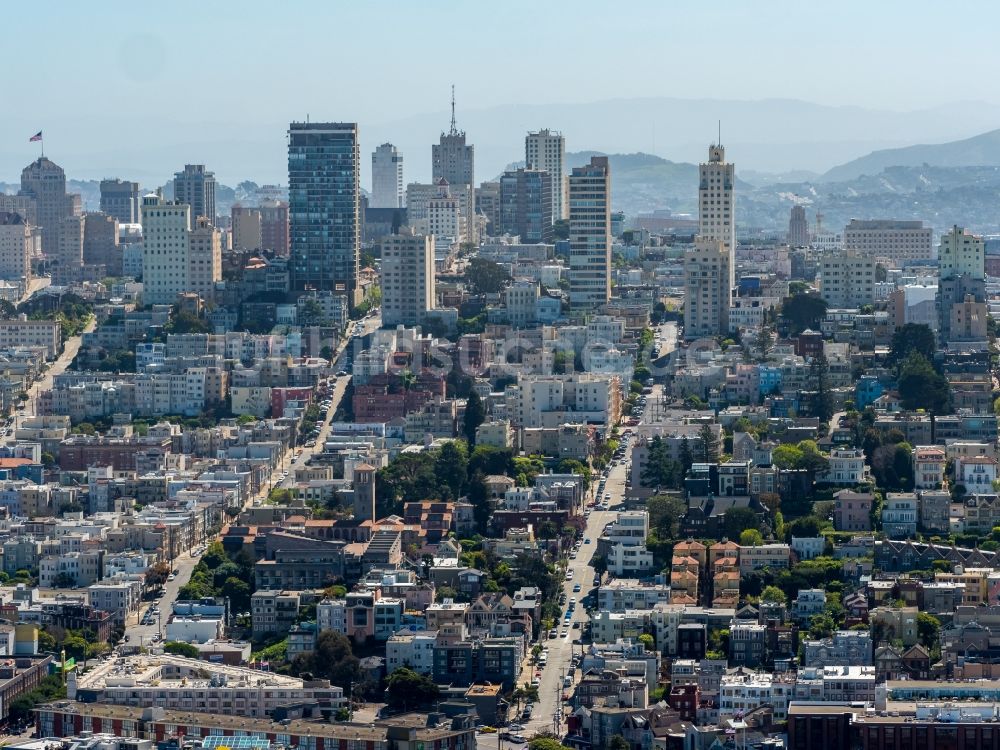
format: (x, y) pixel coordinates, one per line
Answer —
(802, 311)
(773, 594)
(475, 415)
(659, 470)
(822, 400)
(541, 742)
(665, 513)
(485, 276)
(736, 520)
(751, 538)
(157, 573)
(408, 690)
(821, 626)
(182, 649)
(647, 641)
(452, 466)
(928, 630)
(708, 445)
(921, 387)
(786, 456)
(617, 742)
(489, 459)
(687, 458)
(912, 337)
(331, 659)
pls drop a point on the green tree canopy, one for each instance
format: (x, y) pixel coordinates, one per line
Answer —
(475, 415)
(912, 337)
(737, 519)
(182, 649)
(485, 276)
(922, 387)
(802, 311)
(751, 538)
(408, 690)
(773, 594)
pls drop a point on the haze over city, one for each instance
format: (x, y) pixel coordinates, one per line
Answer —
(513, 376)
(188, 80)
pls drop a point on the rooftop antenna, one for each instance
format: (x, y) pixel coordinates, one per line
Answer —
(453, 129)
(719, 143)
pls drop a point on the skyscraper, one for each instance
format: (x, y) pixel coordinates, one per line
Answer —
(455, 161)
(716, 206)
(707, 293)
(451, 158)
(388, 190)
(120, 199)
(590, 234)
(526, 205)
(165, 229)
(196, 187)
(407, 278)
(546, 149)
(324, 207)
(45, 181)
(798, 227)
(962, 276)
(709, 272)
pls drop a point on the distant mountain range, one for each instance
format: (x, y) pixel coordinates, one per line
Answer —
(978, 151)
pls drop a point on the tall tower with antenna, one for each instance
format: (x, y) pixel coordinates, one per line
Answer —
(454, 160)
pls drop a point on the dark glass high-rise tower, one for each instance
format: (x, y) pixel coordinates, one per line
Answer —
(324, 207)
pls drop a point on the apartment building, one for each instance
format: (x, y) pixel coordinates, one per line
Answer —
(21, 332)
(898, 242)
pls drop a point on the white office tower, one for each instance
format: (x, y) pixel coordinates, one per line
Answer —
(388, 190)
(546, 150)
(717, 202)
(708, 291)
(407, 278)
(713, 252)
(590, 235)
(165, 229)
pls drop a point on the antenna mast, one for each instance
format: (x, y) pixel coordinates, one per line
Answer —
(719, 142)
(453, 129)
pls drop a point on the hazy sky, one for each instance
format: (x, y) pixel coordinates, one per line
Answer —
(144, 77)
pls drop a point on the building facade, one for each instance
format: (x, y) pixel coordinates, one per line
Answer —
(590, 234)
(324, 207)
(196, 187)
(388, 188)
(898, 242)
(407, 279)
(546, 150)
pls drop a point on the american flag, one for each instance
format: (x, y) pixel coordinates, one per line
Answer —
(36, 137)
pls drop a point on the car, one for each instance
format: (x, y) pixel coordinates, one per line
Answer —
(488, 730)
(572, 555)
(576, 626)
(536, 682)
(171, 577)
(518, 738)
(569, 575)
(576, 587)
(553, 633)
(572, 603)
(516, 727)
(341, 373)
(586, 540)
(563, 633)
